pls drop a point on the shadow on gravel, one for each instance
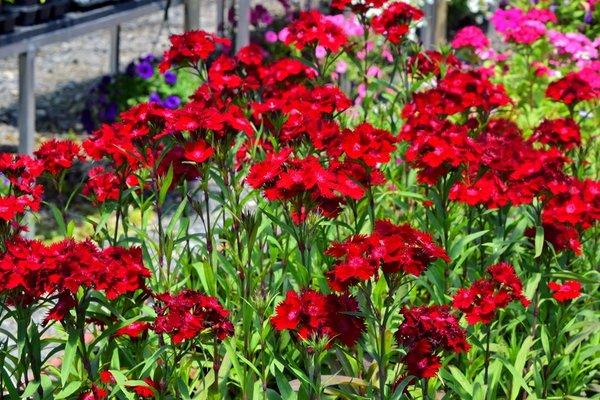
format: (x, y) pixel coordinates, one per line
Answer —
(58, 111)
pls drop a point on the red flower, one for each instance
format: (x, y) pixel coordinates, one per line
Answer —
(569, 290)
(198, 151)
(571, 89)
(407, 249)
(29, 270)
(58, 155)
(426, 331)
(357, 6)
(368, 144)
(313, 29)
(312, 314)
(148, 390)
(188, 314)
(107, 377)
(562, 237)
(133, 330)
(560, 132)
(482, 299)
(395, 21)
(102, 184)
(360, 257)
(191, 47)
(430, 62)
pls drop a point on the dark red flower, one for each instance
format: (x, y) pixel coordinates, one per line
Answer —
(571, 89)
(560, 132)
(407, 249)
(314, 315)
(188, 314)
(566, 291)
(395, 21)
(481, 300)
(430, 62)
(148, 390)
(426, 331)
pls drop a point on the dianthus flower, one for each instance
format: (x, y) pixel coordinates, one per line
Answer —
(191, 47)
(561, 236)
(133, 330)
(102, 184)
(472, 37)
(566, 291)
(310, 313)
(575, 203)
(29, 270)
(394, 22)
(393, 248)
(571, 90)
(430, 61)
(485, 296)
(21, 172)
(427, 331)
(561, 132)
(58, 155)
(313, 29)
(185, 315)
(368, 144)
(357, 6)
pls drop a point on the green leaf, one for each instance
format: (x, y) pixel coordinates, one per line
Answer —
(68, 362)
(165, 185)
(539, 241)
(69, 390)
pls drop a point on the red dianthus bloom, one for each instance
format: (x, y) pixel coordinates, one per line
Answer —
(395, 21)
(485, 296)
(188, 314)
(313, 29)
(58, 155)
(566, 291)
(191, 47)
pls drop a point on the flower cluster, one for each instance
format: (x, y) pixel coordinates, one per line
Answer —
(485, 296)
(313, 29)
(566, 291)
(24, 193)
(314, 315)
(393, 248)
(394, 22)
(30, 270)
(190, 48)
(187, 314)
(58, 155)
(426, 331)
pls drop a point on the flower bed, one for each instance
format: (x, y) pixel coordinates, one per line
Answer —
(429, 231)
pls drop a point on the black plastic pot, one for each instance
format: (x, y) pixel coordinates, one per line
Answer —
(44, 11)
(26, 15)
(7, 21)
(26, 2)
(59, 8)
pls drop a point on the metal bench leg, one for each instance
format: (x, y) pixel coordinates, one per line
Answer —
(191, 15)
(26, 117)
(115, 49)
(242, 34)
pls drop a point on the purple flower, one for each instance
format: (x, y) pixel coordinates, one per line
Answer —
(588, 17)
(154, 98)
(170, 78)
(111, 111)
(260, 14)
(149, 58)
(144, 70)
(172, 102)
(130, 70)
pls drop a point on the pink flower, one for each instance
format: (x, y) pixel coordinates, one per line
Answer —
(270, 37)
(470, 36)
(507, 20)
(320, 52)
(341, 67)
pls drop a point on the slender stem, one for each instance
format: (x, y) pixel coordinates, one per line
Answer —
(487, 354)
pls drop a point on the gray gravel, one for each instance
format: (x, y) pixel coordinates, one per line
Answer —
(65, 71)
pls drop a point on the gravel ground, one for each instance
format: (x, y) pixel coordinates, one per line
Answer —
(65, 71)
